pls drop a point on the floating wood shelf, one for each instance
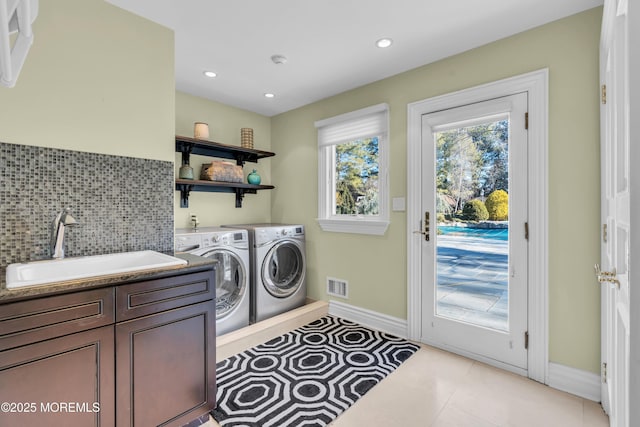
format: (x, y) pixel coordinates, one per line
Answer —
(188, 146)
(186, 186)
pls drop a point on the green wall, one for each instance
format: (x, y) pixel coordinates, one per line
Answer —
(224, 123)
(96, 79)
(376, 266)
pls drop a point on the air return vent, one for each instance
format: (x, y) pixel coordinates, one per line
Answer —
(337, 287)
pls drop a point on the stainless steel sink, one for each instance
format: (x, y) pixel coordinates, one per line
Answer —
(60, 270)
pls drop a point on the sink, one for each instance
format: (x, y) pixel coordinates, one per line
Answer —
(59, 270)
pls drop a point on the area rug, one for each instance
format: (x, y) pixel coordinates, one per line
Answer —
(306, 377)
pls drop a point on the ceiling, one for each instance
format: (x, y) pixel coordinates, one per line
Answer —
(329, 44)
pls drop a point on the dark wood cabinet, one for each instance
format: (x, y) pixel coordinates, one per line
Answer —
(66, 381)
(166, 367)
(137, 354)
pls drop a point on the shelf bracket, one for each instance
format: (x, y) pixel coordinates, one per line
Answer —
(184, 195)
(239, 197)
(186, 153)
(240, 159)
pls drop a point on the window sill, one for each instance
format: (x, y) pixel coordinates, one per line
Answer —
(356, 226)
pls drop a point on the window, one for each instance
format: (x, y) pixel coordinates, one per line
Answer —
(352, 171)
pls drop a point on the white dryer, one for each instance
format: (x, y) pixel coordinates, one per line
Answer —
(231, 249)
(278, 268)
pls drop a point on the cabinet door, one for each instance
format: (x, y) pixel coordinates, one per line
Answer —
(65, 382)
(165, 367)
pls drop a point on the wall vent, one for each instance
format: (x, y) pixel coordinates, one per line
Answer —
(337, 287)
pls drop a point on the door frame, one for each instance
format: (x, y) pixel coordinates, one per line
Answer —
(536, 84)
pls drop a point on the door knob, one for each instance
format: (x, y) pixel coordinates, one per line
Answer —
(607, 276)
(424, 231)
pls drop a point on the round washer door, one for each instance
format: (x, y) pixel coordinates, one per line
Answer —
(231, 283)
(283, 269)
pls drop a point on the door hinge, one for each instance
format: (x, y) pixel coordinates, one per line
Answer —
(604, 233)
(604, 372)
(526, 120)
(526, 230)
(604, 94)
(526, 340)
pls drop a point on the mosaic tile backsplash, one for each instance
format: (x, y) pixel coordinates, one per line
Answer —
(121, 203)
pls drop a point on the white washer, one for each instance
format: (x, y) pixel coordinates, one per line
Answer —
(278, 268)
(231, 249)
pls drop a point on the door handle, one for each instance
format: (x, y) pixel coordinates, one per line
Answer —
(425, 230)
(607, 276)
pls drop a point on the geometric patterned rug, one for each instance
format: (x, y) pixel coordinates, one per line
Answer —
(306, 377)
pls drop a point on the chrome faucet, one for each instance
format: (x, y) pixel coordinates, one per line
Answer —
(62, 220)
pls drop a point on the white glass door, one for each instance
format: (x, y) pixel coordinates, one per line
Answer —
(474, 250)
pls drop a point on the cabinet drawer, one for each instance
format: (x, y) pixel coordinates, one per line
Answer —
(40, 319)
(153, 296)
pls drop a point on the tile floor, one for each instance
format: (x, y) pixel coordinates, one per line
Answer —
(435, 388)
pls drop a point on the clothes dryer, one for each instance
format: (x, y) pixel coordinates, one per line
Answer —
(231, 249)
(278, 268)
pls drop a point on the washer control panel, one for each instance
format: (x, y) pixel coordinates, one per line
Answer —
(203, 238)
(186, 243)
(267, 234)
(225, 238)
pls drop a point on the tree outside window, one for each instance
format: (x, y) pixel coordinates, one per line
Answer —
(357, 170)
(472, 162)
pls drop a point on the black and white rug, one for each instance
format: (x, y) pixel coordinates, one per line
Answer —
(306, 377)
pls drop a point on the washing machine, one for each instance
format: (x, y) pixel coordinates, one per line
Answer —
(231, 249)
(278, 268)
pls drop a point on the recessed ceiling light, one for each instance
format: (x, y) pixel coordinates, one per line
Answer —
(269, 95)
(384, 43)
(209, 74)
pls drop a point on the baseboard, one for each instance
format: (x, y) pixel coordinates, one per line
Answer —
(575, 381)
(369, 318)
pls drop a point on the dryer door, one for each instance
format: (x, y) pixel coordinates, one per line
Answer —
(283, 269)
(231, 281)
